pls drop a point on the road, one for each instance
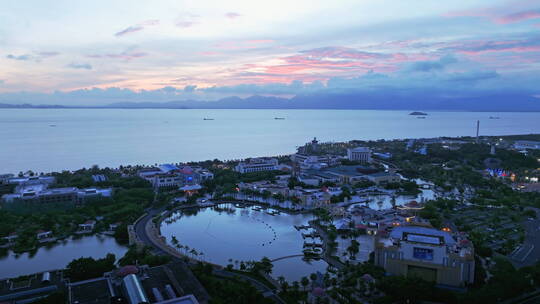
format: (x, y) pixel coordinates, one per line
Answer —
(529, 253)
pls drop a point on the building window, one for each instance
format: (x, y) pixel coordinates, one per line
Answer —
(423, 253)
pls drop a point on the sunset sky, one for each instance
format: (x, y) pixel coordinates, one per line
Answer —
(92, 52)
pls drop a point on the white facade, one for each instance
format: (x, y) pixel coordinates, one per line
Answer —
(527, 144)
(257, 165)
(360, 154)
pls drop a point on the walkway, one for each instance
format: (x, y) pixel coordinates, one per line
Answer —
(287, 257)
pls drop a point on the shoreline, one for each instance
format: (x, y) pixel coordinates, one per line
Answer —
(60, 107)
(139, 165)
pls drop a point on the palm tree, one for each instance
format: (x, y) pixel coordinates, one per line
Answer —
(174, 241)
(281, 280)
(305, 282)
(193, 253)
(179, 246)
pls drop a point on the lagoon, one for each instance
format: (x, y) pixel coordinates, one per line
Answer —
(228, 234)
(57, 255)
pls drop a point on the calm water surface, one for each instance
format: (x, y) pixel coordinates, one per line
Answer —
(54, 139)
(243, 234)
(58, 255)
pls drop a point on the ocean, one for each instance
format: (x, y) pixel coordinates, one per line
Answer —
(45, 140)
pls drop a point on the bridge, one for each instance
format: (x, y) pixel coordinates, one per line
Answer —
(287, 257)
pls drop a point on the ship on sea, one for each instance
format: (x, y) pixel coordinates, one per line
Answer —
(208, 118)
(279, 118)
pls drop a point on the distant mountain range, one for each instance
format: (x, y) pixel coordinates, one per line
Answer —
(359, 101)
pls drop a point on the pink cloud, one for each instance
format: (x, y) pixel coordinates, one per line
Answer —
(500, 15)
(517, 17)
(232, 15)
(528, 44)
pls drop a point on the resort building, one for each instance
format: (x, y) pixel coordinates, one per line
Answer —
(43, 236)
(359, 154)
(172, 176)
(410, 209)
(87, 226)
(327, 159)
(431, 254)
(4, 178)
(348, 175)
(166, 284)
(384, 177)
(99, 178)
(32, 288)
(161, 178)
(526, 144)
(257, 165)
(312, 197)
(32, 180)
(39, 194)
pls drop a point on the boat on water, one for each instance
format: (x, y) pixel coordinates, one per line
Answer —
(279, 118)
(52, 125)
(208, 118)
(418, 113)
(494, 117)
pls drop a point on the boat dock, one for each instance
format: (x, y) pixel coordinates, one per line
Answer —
(312, 234)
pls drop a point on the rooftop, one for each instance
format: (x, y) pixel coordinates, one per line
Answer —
(167, 167)
(346, 170)
(361, 149)
(400, 231)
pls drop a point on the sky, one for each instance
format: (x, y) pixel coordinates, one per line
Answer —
(101, 51)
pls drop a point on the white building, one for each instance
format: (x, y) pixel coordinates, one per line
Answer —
(429, 253)
(527, 144)
(56, 195)
(257, 165)
(32, 180)
(360, 154)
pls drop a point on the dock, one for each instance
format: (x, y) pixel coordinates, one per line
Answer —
(301, 227)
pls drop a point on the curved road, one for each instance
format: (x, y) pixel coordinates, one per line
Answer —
(140, 230)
